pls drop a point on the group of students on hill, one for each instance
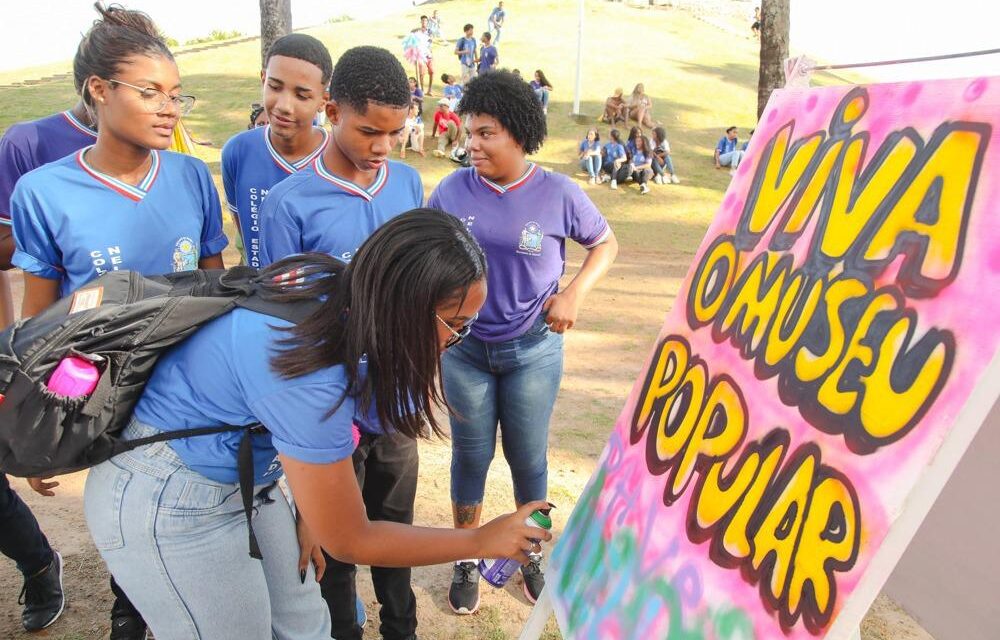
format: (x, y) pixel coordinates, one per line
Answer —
(639, 158)
(474, 56)
(413, 316)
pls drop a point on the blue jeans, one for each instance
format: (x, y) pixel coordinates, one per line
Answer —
(542, 93)
(514, 384)
(592, 165)
(659, 167)
(177, 543)
(731, 159)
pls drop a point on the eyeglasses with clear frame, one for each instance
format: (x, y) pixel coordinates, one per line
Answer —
(156, 101)
(461, 334)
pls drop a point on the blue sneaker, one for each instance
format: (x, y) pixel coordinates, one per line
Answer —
(359, 609)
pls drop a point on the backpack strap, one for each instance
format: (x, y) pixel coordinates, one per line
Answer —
(244, 467)
(294, 312)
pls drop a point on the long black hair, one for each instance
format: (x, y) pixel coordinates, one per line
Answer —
(381, 308)
(115, 37)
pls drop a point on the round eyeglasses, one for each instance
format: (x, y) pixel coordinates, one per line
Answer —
(156, 101)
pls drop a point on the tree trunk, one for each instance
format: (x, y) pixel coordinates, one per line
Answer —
(774, 21)
(275, 21)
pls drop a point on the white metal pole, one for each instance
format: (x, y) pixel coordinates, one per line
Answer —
(579, 62)
(535, 624)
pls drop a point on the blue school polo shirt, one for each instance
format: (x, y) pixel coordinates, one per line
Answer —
(221, 375)
(487, 58)
(73, 223)
(726, 145)
(523, 228)
(250, 167)
(28, 145)
(614, 150)
(314, 210)
(470, 45)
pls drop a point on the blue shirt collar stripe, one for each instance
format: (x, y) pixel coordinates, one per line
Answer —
(292, 167)
(133, 192)
(351, 187)
(501, 189)
(75, 122)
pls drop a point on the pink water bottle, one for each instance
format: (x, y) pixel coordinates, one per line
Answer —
(74, 377)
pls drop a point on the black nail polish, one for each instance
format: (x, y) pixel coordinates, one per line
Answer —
(302, 576)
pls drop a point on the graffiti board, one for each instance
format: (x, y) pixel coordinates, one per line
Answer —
(832, 351)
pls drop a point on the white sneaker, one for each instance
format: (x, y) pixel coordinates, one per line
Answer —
(604, 179)
(732, 172)
(674, 179)
(658, 179)
(614, 183)
(643, 189)
(592, 180)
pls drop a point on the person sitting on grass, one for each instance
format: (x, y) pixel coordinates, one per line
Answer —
(640, 107)
(728, 152)
(542, 88)
(615, 159)
(413, 134)
(662, 164)
(447, 128)
(641, 162)
(452, 90)
(615, 108)
(590, 155)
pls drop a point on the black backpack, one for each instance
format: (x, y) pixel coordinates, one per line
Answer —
(125, 321)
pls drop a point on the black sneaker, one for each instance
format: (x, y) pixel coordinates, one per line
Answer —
(128, 627)
(534, 579)
(42, 596)
(463, 596)
(126, 622)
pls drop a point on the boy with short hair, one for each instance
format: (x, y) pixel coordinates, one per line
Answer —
(488, 56)
(333, 206)
(465, 49)
(728, 153)
(496, 20)
(294, 82)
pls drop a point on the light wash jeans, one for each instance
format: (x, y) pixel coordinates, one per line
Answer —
(177, 543)
(592, 165)
(667, 165)
(731, 159)
(542, 93)
(514, 384)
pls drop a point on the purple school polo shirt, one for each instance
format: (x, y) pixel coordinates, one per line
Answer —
(29, 145)
(522, 227)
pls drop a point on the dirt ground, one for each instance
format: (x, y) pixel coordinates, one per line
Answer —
(603, 356)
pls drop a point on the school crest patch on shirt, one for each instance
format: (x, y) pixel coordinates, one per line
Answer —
(531, 239)
(185, 255)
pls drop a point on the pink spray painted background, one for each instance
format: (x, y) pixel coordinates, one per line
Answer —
(624, 566)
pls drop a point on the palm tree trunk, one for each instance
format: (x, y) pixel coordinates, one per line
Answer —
(275, 21)
(774, 21)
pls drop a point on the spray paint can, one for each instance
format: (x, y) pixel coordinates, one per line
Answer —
(498, 572)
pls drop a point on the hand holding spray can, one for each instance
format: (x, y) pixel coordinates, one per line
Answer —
(498, 572)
